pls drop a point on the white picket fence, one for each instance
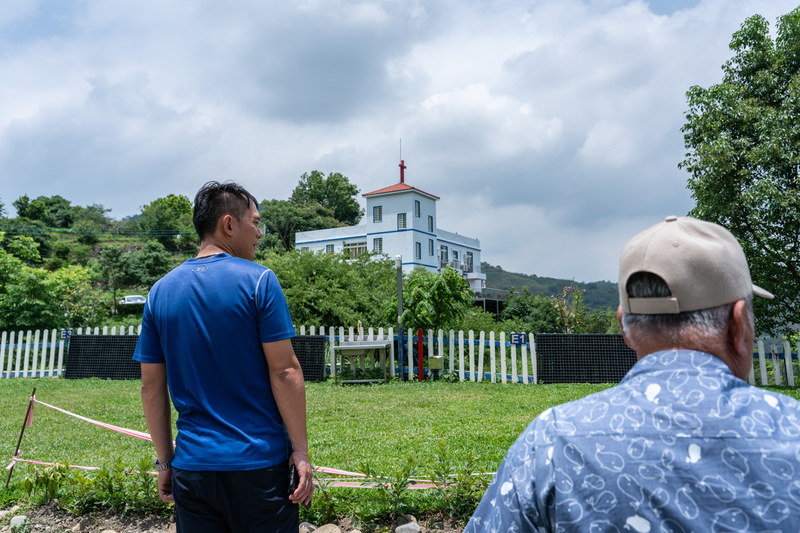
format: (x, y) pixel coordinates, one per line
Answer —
(34, 362)
(40, 353)
(502, 356)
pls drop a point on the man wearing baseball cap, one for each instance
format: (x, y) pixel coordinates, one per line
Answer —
(683, 443)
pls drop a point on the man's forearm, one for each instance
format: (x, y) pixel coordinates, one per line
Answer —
(289, 391)
(157, 413)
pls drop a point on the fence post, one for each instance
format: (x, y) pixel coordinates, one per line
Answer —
(10, 355)
(35, 359)
(452, 351)
(19, 354)
(53, 342)
(492, 357)
(534, 367)
(302, 330)
(3, 352)
(410, 354)
(751, 378)
(481, 346)
(762, 363)
(391, 351)
(524, 351)
(787, 353)
(503, 369)
(441, 347)
(60, 356)
(471, 355)
(776, 364)
(461, 355)
(514, 376)
(139, 329)
(27, 354)
(22, 431)
(105, 330)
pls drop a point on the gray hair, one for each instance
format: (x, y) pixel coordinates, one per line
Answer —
(709, 323)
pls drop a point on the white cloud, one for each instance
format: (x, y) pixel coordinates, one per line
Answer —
(551, 130)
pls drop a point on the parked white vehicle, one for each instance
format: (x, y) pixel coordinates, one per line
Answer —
(133, 299)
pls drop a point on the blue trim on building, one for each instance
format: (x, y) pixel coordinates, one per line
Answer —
(419, 264)
(402, 230)
(459, 244)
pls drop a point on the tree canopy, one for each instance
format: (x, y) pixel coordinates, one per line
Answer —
(743, 141)
(170, 221)
(334, 192)
(284, 218)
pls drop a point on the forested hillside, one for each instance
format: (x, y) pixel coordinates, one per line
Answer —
(597, 294)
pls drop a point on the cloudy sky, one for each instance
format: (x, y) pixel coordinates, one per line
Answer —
(549, 128)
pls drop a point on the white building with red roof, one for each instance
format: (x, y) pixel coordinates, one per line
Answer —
(401, 220)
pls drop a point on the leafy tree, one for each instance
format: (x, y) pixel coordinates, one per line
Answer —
(284, 218)
(535, 311)
(2, 209)
(332, 289)
(743, 137)
(170, 218)
(334, 192)
(113, 270)
(148, 265)
(88, 231)
(35, 229)
(95, 213)
(432, 300)
(54, 211)
(24, 248)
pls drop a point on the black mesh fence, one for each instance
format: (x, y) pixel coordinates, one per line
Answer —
(310, 351)
(573, 358)
(102, 356)
(111, 357)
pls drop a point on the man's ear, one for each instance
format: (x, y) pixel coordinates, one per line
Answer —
(225, 225)
(624, 336)
(738, 329)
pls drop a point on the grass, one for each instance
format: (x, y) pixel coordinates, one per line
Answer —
(347, 426)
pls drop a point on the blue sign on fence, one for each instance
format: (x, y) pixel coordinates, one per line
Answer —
(65, 334)
(517, 338)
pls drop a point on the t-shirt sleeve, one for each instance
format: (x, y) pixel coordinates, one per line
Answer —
(148, 347)
(274, 321)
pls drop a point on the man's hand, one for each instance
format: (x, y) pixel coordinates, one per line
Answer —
(165, 486)
(305, 487)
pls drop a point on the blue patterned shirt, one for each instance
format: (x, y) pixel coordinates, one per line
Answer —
(679, 445)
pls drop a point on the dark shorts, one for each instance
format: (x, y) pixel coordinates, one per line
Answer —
(242, 501)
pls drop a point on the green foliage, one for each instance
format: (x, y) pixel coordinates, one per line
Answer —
(335, 193)
(95, 213)
(284, 218)
(120, 269)
(459, 486)
(393, 487)
(535, 312)
(35, 229)
(3, 211)
(743, 141)
(47, 478)
(81, 254)
(431, 300)
(24, 248)
(88, 231)
(53, 211)
(170, 220)
(601, 321)
(331, 289)
(597, 294)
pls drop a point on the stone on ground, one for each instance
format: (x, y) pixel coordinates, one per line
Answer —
(411, 527)
(306, 527)
(329, 528)
(17, 520)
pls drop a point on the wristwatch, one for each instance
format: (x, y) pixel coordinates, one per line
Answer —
(160, 467)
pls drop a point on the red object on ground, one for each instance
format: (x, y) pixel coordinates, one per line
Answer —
(419, 352)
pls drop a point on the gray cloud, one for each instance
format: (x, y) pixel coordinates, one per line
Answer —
(551, 129)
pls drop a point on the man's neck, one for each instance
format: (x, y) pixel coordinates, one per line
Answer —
(213, 247)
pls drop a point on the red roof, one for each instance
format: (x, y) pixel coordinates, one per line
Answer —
(399, 187)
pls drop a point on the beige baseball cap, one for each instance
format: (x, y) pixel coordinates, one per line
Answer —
(702, 263)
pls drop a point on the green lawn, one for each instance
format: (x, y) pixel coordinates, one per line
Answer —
(348, 426)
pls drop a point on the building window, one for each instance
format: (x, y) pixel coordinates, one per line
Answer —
(418, 250)
(416, 208)
(430, 246)
(354, 249)
(468, 262)
(401, 221)
(455, 256)
(430, 224)
(377, 245)
(443, 256)
(328, 248)
(377, 214)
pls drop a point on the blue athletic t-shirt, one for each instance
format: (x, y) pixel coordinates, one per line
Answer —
(206, 320)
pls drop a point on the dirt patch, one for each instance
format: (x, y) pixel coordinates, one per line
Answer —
(52, 518)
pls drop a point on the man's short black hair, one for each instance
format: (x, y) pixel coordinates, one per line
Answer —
(215, 200)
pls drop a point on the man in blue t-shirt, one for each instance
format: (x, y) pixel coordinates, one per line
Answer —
(216, 337)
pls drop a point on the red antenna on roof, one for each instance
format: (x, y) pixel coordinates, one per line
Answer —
(402, 173)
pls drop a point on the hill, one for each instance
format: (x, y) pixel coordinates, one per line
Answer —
(597, 293)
